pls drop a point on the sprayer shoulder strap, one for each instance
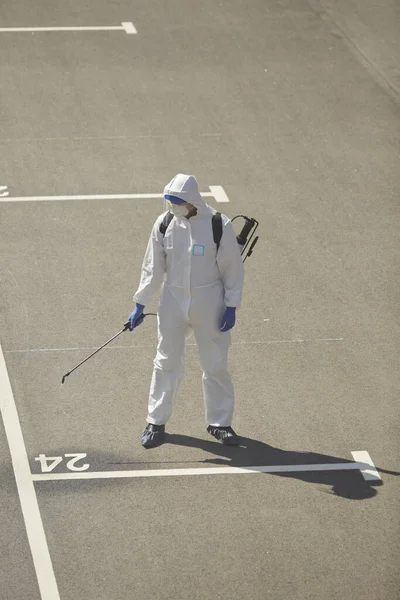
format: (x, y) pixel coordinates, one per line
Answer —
(165, 222)
(217, 228)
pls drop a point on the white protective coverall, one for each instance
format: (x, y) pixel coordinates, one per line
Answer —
(197, 284)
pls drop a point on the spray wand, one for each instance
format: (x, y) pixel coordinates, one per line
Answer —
(126, 326)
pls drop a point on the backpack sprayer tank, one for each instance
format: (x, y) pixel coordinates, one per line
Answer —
(246, 242)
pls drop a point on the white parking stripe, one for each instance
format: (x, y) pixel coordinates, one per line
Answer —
(349, 466)
(82, 197)
(129, 27)
(217, 192)
(126, 26)
(26, 490)
(107, 137)
(130, 346)
(369, 472)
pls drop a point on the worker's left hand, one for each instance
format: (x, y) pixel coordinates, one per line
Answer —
(228, 319)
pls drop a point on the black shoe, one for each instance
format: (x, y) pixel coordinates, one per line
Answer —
(226, 435)
(153, 435)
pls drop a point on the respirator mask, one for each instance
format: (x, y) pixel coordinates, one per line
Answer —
(178, 210)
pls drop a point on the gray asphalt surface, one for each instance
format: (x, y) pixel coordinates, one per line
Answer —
(293, 108)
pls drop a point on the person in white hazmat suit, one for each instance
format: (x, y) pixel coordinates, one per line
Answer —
(201, 289)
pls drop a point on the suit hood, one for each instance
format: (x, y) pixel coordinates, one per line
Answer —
(186, 188)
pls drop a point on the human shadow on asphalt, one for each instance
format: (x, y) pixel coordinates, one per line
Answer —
(252, 453)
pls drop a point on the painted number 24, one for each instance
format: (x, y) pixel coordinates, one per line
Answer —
(48, 463)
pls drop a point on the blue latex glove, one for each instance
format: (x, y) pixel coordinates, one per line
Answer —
(135, 317)
(228, 319)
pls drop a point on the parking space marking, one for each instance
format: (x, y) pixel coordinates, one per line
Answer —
(126, 26)
(349, 466)
(369, 472)
(219, 193)
(26, 490)
(27, 495)
(109, 137)
(216, 191)
(129, 346)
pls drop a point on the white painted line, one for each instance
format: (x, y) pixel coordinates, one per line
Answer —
(297, 341)
(3, 191)
(110, 137)
(80, 197)
(369, 471)
(350, 466)
(126, 26)
(127, 346)
(26, 490)
(215, 192)
(219, 193)
(129, 27)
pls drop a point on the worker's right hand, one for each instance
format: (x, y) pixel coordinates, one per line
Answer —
(136, 317)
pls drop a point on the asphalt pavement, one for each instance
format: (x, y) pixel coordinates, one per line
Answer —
(293, 108)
